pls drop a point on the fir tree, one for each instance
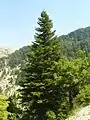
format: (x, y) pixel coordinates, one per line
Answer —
(40, 91)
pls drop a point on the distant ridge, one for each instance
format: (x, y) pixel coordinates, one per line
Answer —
(80, 34)
(5, 51)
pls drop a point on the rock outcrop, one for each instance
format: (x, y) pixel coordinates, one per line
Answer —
(82, 114)
(5, 52)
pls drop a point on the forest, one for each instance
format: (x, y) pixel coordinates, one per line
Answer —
(53, 78)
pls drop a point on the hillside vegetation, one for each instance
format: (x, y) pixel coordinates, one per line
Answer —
(50, 78)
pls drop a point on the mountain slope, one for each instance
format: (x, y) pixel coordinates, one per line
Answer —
(9, 69)
(10, 62)
(5, 51)
(76, 40)
(80, 34)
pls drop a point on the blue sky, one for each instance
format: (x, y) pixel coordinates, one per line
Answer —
(18, 18)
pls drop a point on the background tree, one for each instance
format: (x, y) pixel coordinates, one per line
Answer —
(73, 77)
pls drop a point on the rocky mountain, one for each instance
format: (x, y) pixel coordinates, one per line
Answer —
(9, 68)
(10, 62)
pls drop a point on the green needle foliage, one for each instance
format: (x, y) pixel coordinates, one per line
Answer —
(51, 83)
(40, 92)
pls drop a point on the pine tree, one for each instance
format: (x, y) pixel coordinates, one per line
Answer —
(40, 91)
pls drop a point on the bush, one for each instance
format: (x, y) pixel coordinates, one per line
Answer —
(3, 107)
(83, 98)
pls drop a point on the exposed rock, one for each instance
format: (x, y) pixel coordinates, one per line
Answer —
(5, 52)
(7, 74)
(10, 64)
(82, 114)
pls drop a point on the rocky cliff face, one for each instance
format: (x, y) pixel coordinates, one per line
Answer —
(9, 68)
(8, 78)
(7, 75)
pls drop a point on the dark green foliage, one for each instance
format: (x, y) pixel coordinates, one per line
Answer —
(76, 40)
(12, 116)
(72, 76)
(50, 82)
(40, 92)
(83, 98)
(13, 109)
(54, 77)
(44, 33)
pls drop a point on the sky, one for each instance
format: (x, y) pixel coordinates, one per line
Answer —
(18, 18)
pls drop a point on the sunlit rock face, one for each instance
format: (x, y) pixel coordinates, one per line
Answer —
(5, 51)
(10, 63)
(7, 74)
(82, 114)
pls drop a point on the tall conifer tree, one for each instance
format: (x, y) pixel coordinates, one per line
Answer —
(40, 91)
